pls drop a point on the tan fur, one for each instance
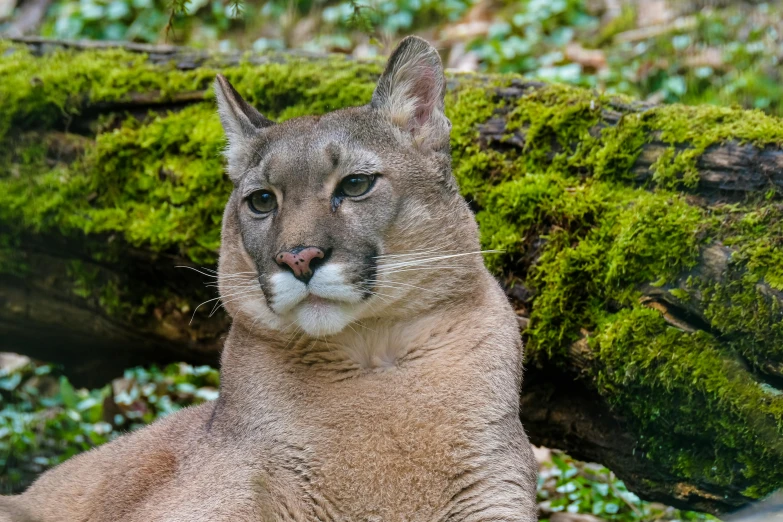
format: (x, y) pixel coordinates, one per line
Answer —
(394, 402)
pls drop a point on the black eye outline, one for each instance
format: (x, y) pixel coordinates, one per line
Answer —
(254, 207)
(340, 193)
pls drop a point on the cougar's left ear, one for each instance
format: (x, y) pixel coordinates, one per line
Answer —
(240, 119)
(411, 91)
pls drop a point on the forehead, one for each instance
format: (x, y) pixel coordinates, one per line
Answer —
(310, 148)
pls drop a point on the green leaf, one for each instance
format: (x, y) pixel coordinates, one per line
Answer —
(68, 394)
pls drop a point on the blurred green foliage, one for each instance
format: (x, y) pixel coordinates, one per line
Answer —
(140, 20)
(567, 485)
(726, 56)
(45, 420)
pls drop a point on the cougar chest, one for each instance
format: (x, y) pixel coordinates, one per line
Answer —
(388, 443)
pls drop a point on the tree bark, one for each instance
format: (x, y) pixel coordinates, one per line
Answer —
(100, 300)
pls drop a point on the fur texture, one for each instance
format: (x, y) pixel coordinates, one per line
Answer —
(385, 388)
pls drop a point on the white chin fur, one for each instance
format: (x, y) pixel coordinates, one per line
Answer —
(330, 313)
(323, 317)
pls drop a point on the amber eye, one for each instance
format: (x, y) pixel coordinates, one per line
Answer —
(355, 185)
(262, 201)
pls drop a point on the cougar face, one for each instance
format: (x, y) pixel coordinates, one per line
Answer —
(332, 217)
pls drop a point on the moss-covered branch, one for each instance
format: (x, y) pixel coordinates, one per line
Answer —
(642, 244)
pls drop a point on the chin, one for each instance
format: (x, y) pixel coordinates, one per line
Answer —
(320, 317)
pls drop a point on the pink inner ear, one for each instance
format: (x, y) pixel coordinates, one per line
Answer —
(424, 91)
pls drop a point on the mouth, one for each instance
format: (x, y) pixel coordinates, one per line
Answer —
(323, 305)
(317, 300)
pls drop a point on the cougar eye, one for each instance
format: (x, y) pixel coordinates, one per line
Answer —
(262, 201)
(355, 185)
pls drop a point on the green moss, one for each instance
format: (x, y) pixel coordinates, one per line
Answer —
(602, 242)
(563, 130)
(749, 318)
(745, 305)
(735, 428)
(757, 238)
(467, 107)
(689, 132)
(554, 119)
(42, 91)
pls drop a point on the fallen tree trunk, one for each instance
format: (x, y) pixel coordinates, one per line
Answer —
(642, 244)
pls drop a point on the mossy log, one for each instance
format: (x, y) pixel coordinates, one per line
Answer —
(642, 244)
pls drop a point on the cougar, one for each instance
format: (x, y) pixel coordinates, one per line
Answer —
(373, 366)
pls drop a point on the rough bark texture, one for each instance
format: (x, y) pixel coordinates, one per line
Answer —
(642, 244)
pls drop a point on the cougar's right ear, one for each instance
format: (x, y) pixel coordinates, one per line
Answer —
(240, 119)
(410, 93)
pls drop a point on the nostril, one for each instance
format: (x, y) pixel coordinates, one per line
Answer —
(317, 262)
(301, 261)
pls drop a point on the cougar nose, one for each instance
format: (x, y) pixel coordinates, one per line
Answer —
(302, 261)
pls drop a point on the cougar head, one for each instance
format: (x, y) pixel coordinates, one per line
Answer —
(348, 216)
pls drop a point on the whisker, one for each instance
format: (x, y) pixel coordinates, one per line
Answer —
(421, 251)
(379, 283)
(236, 297)
(411, 269)
(293, 335)
(413, 253)
(351, 327)
(214, 273)
(422, 261)
(236, 284)
(253, 324)
(370, 291)
(383, 297)
(205, 302)
(234, 289)
(358, 323)
(195, 270)
(234, 278)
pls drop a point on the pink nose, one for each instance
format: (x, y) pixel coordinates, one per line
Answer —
(299, 261)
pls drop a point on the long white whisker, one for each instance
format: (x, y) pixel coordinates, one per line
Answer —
(234, 284)
(205, 302)
(232, 280)
(379, 283)
(351, 327)
(412, 269)
(415, 253)
(214, 275)
(422, 251)
(236, 290)
(199, 306)
(373, 292)
(236, 297)
(195, 270)
(235, 276)
(293, 335)
(383, 297)
(358, 323)
(436, 258)
(252, 325)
